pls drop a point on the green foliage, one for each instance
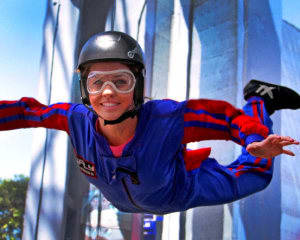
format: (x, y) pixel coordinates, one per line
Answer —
(12, 206)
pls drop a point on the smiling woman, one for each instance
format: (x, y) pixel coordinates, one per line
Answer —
(114, 98)
(19, 73)
(110, 102)
(155, 172)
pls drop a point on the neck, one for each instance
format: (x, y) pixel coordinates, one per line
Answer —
(118, 134)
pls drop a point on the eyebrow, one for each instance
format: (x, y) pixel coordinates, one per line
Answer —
(118, 75)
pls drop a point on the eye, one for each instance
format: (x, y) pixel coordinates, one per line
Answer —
(97, 82)
(120, 82)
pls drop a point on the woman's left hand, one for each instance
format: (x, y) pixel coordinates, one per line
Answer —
(272, 146)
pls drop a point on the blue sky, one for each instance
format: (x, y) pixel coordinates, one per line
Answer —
(291, 11)
(21, 34)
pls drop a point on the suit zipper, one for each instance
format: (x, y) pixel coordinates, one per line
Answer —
(131, 199)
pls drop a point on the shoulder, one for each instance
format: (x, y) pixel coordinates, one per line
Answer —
(80, 109)
(80, 114)
(165, 107)
(81, 123)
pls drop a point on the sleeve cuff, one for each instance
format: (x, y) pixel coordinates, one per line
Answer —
(253, 138)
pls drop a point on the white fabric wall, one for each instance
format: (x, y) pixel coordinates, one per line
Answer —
(44, 215)
(290, 167)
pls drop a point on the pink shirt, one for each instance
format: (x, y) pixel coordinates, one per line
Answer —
(116, 150)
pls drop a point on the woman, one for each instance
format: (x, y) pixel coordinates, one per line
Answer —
(135, 153)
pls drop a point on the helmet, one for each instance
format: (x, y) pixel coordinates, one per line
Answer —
(113, 46)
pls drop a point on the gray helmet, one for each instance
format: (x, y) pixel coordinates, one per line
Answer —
(113, 46)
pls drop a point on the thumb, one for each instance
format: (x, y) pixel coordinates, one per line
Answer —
(288, 152)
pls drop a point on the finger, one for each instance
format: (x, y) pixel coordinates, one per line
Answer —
(271, 137)
(288, 152)
(286, 143)
(276, 139)
(287, 138)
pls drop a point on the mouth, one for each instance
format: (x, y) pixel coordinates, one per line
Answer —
(109, 104)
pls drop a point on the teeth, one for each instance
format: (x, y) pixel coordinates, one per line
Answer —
(109, 104)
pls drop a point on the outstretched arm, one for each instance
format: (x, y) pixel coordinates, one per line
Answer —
(252, 171)
(218, 120)
(28, 112)
(272, 146)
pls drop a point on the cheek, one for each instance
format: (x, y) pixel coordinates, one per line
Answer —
(94, 99)
(128, 99)
(125, 99)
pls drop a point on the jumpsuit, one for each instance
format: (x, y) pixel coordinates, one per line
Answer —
(156, 172)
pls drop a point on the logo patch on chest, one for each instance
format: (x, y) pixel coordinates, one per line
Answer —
(86, 167)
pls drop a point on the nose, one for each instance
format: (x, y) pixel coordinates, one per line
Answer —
(108, 90)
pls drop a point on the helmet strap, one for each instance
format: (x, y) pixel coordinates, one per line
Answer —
(124, 116)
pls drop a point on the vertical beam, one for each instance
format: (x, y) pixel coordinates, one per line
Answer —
(76, 199)
(290, 220)
(158, 51)
(160, 28)
(262, 60)
(45, 199)
(179, 49)
(150, 44)
(214, 76)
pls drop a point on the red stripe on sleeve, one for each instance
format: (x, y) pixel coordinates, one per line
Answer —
(235, 122)
(214, 107)
(7, 112)
(39, 111)
(254, 109)
(255, 167)
(194, 134)
(236, 134)
(7, 102)
(56, 121)
(261, 111)
(28, 112)
(194, 158)
(250, 125)
(190, 116)
(217, 134)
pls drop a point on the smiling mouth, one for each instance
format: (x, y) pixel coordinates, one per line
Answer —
(109, 104)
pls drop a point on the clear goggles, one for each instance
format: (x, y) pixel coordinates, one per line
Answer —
(121, 80)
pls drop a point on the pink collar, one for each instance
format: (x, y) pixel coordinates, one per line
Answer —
(116, 150)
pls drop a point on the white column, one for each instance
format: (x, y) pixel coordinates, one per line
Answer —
(56, 72)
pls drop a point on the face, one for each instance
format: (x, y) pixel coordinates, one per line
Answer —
(109, 103)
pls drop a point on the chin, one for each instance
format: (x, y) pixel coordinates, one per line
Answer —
(110, 117)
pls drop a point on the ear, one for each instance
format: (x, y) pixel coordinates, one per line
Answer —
(84, 96)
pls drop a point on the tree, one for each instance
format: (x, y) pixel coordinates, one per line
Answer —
(12, 206)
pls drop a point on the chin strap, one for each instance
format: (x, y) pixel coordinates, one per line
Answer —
(124, 116)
